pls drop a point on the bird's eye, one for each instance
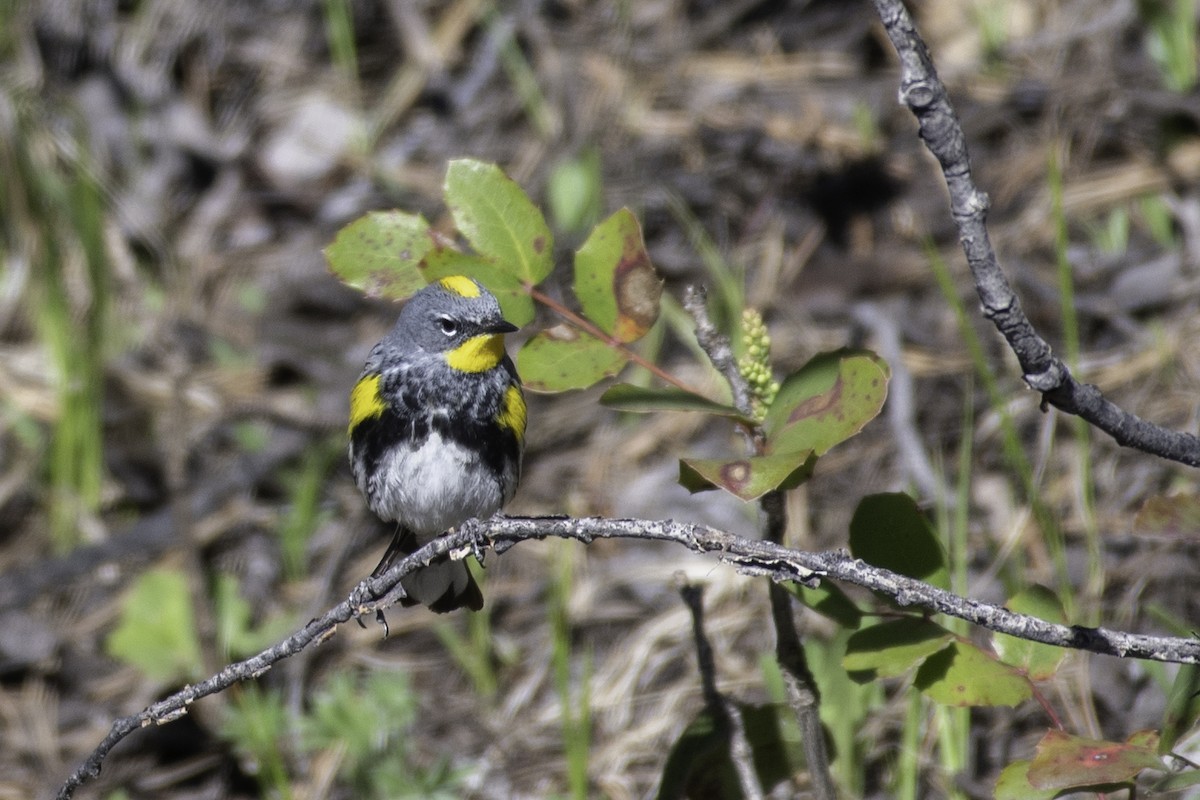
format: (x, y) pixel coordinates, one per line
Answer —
(448, 326)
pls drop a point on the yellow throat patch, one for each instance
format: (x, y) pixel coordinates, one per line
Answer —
(365, 401)
(512, 413)
(459, 285)
(477, 354)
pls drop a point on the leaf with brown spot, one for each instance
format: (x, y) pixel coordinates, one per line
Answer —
(746, 478)
(1064, 761)
(379, 254)
(562, 358)
(615, 282)
(826, 401)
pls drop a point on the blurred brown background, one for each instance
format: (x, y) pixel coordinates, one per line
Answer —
(175, 359)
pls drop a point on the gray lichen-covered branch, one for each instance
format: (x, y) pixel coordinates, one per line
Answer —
(747, 555)
(924, 94)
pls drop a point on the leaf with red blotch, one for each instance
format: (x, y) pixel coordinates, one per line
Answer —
(1064, 761)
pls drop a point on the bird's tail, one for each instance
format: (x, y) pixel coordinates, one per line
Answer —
(442, 586)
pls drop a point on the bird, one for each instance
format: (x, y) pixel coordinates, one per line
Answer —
(437, 430)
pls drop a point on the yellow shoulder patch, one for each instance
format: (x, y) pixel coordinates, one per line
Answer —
(460, 285)
(365, 401)
(512, 412)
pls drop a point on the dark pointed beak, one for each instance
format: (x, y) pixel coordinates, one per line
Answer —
(502, 326)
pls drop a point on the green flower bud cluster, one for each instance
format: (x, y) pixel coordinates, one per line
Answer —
(755, 362)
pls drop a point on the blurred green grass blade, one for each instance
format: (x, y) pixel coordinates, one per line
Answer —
(54, 218)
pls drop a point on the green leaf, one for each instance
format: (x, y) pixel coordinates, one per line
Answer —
(615, 282)
(1064, 761)
(1013, 784)
(892, 648)
(830, 601)
(157, 632)
(889, 531)
(1039, 661)
(499, 220)
(563, 358)
(1176, 782)
(964, 675)
(515, 302)
(746, 478)
(379, 254)
(826, 402)
(1183, 706)
(637, 399)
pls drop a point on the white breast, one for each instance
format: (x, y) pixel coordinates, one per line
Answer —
(434, 488)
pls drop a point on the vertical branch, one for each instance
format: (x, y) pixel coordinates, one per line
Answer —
(925, 95)
(798, 680)
(802, 690)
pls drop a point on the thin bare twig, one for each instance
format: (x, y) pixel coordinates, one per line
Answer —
(802, 691)
(925, 95)
(724, 711)
(717, 347)
(750, 556)
(798, 680)
(587, 327)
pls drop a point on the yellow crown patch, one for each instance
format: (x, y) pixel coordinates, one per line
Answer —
(460, 285)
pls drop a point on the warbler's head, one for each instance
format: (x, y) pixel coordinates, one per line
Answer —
(455, 317)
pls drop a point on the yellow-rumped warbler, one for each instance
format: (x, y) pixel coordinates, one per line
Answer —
(437, 427)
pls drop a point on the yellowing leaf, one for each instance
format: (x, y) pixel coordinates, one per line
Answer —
(1013, 784)
(615, 282)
